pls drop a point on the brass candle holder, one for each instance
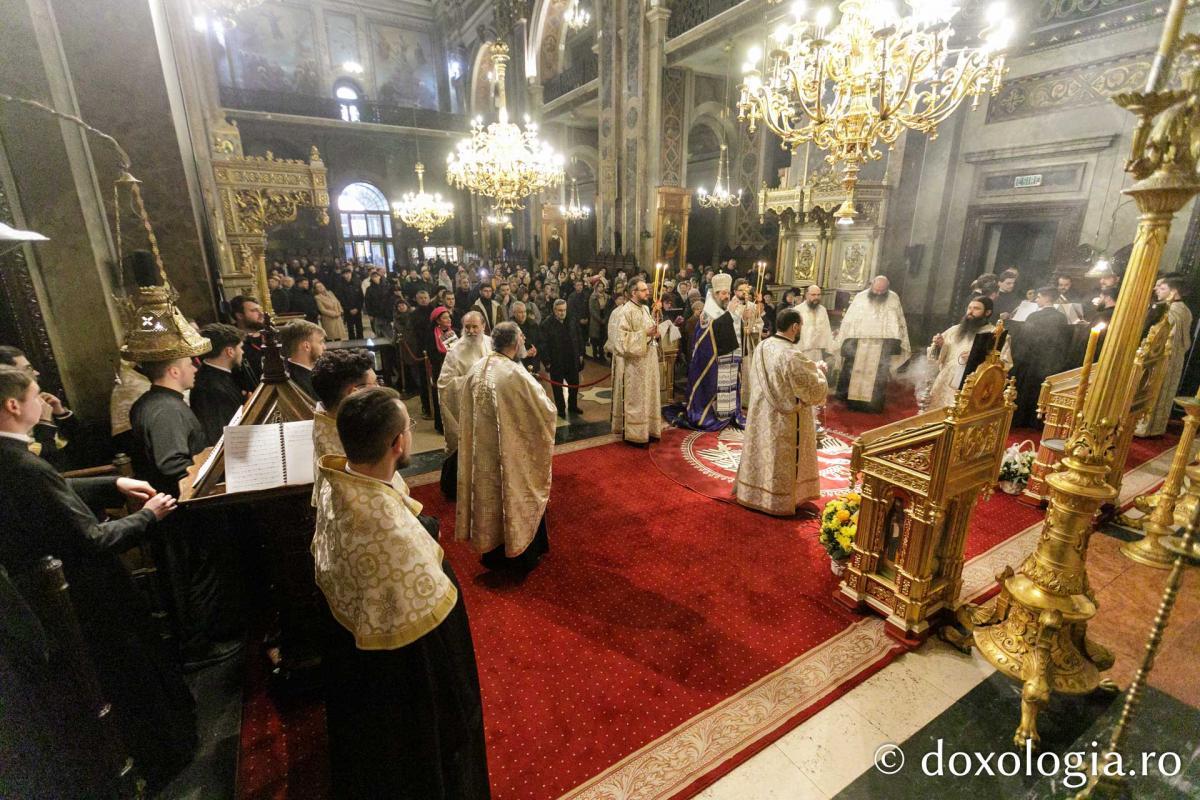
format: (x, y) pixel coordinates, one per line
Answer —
(1149, 550)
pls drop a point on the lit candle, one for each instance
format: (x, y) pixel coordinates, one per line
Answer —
(1088, 357)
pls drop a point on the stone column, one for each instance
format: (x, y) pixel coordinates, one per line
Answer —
(652, 118)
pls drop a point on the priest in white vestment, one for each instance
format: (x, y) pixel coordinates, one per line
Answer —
(636, 415)
(816, 336)
(874, 343)
(952, 347)
(505, 446)
(1169, 290)
(778, 468)
(464, 354)
(335, 376)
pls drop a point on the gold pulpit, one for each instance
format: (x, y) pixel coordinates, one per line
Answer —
(921, 479)
(1058, 400)
(257, 194)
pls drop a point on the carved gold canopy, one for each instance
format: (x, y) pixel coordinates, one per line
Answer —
(258, 193)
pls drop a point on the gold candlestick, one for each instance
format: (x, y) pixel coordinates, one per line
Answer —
(1149, 550)
(1184, 553)
(1038, 635)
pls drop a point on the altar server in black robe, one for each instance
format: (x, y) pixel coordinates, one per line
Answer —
(41, 514)
(303, 343)
(1039, 349)
(217, 394)
(170, 437)
(402, 701)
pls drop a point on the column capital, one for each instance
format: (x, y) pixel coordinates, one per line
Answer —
(658, 13)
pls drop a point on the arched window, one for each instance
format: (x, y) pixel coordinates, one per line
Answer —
(366, 224)
(347, 95)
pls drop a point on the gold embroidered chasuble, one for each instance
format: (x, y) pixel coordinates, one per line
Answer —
(872, 324)
(635, 400)
(951, 361)
(506, 443)
(778, 468)
(380, 571)
(462, 356)
(326, 442)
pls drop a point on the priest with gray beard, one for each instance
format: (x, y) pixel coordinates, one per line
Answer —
(472, 347)
(874, 337)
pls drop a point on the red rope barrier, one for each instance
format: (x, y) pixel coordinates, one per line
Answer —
(553, 382)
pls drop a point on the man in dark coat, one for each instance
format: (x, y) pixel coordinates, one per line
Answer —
(170, 437)
(217, 395)
(578, 315)
(281, 298)
(303, 301)
(43, 514)
(378, 304)
(349, 294)
(1040, 347)
(560, 354)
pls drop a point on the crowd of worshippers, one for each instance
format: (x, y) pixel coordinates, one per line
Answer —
(402, 699)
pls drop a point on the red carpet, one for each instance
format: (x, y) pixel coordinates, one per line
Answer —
(652, 609)
(707, 461)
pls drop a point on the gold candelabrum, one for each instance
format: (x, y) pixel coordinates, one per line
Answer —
(1037, 633)
(1160, 523)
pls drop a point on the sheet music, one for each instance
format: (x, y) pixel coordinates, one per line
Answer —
(253, 458)
(298, 452)
(1022, 312)
(268, 456)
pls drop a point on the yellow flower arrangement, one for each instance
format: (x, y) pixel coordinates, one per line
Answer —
(839, 524)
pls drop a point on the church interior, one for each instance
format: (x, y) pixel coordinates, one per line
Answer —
(599, 399)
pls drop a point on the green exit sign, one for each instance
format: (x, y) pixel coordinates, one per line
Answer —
(1027, 181)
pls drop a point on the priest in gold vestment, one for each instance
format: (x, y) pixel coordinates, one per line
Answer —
(636, 415)
(336, 375)
(778, 468)
(505, 445)
(402, 702)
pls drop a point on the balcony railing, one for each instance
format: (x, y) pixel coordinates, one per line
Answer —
(571, 78)
(687, 14)
(303, 105)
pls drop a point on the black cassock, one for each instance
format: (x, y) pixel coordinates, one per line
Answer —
(41, 514)
(215, 398)
(1040, 348)
(406, 724)
(302, 377)
(193, 545)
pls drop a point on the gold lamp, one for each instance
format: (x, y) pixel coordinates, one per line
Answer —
(850, 87)
(500, 160)
(421, 210)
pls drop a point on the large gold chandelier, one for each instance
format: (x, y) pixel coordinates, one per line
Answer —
(423, 211)
(500, 160)
(573, 211)
(874, 74)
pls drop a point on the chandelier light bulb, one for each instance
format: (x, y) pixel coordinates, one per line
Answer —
(996, 13)
(799, 9)
(754, 54)
(824, 17)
